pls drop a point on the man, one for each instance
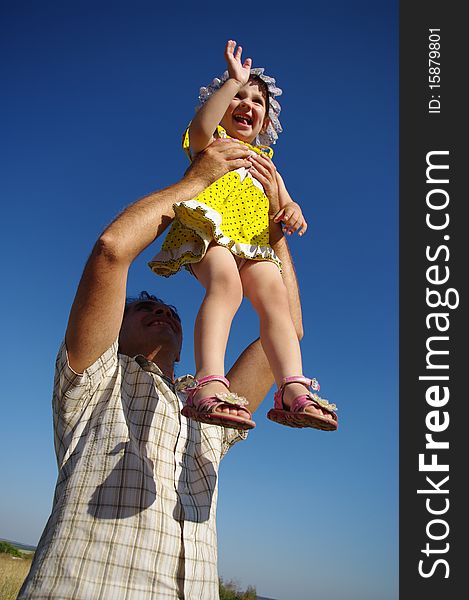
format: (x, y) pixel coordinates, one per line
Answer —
(134, 508)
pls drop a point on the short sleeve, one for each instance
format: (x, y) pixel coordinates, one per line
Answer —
(230, 438)
(186, 142)
(73, 397)
(71, 389)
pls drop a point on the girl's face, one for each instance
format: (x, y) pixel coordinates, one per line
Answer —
(245, 116)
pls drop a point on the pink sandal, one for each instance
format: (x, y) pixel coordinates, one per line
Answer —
(204, 409)
(296, 416)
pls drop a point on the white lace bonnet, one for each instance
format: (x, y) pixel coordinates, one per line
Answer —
(269, 137)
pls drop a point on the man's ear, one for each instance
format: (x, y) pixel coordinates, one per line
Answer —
(265, 125)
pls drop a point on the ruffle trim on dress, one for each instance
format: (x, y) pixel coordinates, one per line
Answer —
(169, 262)
(194, 215)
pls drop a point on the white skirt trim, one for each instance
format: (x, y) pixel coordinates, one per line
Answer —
(193, 254)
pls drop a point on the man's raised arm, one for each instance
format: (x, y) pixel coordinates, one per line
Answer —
(97, 311)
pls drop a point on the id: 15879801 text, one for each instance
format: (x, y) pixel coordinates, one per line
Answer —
(434, 70)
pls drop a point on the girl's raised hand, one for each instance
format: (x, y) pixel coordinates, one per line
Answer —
(236, 69)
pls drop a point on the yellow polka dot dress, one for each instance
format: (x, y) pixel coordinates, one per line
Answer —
(233, 212)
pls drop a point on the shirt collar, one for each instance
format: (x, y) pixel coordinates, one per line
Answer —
(148, 365)
(182, 383)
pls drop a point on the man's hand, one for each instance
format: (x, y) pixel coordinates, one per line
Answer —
(237, 70)
(292, 217)
(263, 169)
(222, 156)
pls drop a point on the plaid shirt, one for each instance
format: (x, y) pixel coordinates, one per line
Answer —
(134, 507)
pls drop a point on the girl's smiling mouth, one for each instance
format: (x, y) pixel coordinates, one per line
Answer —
(243, 119)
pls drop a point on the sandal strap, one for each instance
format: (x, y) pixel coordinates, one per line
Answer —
(308, 383)
(209, 378)
(301, 402)
(208, 404)
(211, 403)
(312, 383)
(205, 404)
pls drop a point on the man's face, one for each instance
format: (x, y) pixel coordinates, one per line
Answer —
(148, 325)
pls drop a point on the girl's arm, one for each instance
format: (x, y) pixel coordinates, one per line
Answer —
(207, 118)
(290, 212)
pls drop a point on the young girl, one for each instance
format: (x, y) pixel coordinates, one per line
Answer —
(222, 237)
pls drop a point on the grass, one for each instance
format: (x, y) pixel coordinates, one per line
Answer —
(13, 572)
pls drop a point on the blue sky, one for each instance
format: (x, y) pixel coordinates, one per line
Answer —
(95, 98)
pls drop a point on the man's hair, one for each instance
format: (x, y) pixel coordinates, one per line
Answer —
(145, 296)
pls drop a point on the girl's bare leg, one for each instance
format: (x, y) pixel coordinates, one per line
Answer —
(218, 273)
(263, 285)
